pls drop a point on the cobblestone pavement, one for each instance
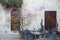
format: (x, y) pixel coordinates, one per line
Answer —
(9, 37)
(14, 37)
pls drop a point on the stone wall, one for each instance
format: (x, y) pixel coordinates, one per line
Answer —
(36, 9)
(32, 13)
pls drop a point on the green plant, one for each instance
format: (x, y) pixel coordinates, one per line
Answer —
(11, 1)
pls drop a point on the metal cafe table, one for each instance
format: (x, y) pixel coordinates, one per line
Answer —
(35, 33)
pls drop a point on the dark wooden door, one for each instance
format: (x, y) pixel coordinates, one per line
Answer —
(50, 19)
(15, 19)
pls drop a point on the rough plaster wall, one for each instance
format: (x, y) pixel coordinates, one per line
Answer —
(58, 14)
(37, 8)
(32, 12)
(32, 7)
(5, 15)
(8, 19)
(2, 18)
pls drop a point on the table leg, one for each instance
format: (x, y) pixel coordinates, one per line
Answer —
(35, 37)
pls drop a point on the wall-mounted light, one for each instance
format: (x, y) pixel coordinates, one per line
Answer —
(43, 6)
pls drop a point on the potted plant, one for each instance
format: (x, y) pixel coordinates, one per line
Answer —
(11, 3)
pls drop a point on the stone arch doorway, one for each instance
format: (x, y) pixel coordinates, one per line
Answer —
(15, 20)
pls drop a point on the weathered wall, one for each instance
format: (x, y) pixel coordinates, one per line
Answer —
(5, 21)
(32, 12)
(36, 8)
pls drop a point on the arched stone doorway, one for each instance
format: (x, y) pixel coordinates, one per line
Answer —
(15, 20)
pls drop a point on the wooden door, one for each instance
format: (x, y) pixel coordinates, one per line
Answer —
(15, 19)
(50, 19)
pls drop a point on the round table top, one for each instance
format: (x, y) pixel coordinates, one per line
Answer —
(36, 33)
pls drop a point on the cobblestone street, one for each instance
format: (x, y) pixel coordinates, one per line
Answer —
(14, 37)
(9, 37)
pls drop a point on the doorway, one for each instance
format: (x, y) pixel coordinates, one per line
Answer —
(50, 19)
(15, 20)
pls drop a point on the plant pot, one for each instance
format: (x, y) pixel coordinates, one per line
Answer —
(21, 35)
